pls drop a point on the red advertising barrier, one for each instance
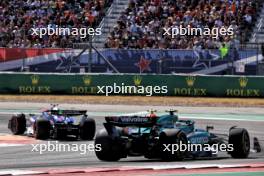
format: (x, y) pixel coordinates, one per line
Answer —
(8, 54)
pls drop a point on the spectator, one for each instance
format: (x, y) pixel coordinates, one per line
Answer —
(141, 24)
(224, 49)
(17, 17)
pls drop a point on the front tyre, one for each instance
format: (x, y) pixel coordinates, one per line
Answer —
(42, 129)
(239, 137)
(172, 137)
(17, 124)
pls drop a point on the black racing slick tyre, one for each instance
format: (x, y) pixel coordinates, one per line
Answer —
(17, 124)
(87, 129)
(42, 129)
(110, 150)
(240, 140)
(170, 138)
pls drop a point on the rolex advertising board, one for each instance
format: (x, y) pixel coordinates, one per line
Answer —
(130, 84)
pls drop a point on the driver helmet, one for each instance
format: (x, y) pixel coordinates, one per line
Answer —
(152, 114)
(54, 108)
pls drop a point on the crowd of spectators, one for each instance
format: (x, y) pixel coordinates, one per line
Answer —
(142, 24)
(17, 17)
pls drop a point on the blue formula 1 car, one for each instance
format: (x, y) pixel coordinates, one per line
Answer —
(54, 123)
(165, 137)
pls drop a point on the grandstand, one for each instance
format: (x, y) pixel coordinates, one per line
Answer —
(130, 24)
(134, 29)
(141, 24)
(17, 17)
(258, 32)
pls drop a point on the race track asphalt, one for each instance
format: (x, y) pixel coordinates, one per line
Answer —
(16, 157)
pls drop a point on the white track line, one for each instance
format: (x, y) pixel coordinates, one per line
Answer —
(19, 172)
(192, 166)
(10, 145)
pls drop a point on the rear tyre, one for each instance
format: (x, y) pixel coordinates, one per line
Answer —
(239, 137)
(110, 150)
(171, 137)
(42, 129)
(17, 124)
(87, 129)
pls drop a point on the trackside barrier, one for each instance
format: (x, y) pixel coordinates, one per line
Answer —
(176, 85)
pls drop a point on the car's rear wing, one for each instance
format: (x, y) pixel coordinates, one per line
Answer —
(68, 112)
(124, 121)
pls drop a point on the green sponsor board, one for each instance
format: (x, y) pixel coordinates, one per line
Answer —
(129, 84)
